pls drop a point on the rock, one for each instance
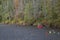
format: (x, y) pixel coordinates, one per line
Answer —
(50, 32)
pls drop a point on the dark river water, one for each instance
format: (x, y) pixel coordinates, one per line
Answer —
(14, 32)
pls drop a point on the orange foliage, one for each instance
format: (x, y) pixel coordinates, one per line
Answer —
(45, 22)
(16, 3)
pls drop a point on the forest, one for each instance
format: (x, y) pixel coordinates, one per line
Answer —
(30, 12)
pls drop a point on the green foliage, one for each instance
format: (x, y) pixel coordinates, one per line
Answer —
(27, 12)
(0, 18)
(0, 2)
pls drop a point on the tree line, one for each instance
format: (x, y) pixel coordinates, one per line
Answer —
(46, 12)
